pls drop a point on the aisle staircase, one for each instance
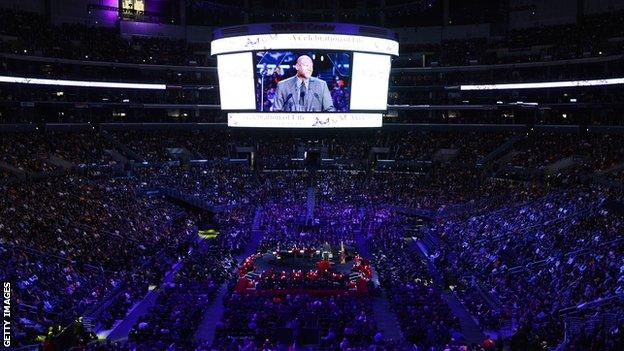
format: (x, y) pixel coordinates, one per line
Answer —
(470, 328)
(206, 331)
(310, 202)
(385, 317)
(122, 327)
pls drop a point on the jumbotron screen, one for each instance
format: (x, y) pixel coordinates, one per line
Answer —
(303, 80)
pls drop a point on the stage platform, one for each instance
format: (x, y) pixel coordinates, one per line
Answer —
(290, 262)
(314, 271)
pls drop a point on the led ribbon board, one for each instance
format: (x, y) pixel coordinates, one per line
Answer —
(81, 83)
(346, 73)
(304, 120)
(340, 42)
(543, 85)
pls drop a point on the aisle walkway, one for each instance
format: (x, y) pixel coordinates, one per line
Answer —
(469, 326)
(207, 327)
(471, 330)
(385, 318)
(310, 203)
(206, 330)
(122, 328)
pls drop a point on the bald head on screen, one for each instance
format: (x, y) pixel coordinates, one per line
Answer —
(304, 67)
(302, 92)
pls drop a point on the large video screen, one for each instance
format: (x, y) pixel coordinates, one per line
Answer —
(236, 81)
(137, 5)
(370, 81)
(304, 80)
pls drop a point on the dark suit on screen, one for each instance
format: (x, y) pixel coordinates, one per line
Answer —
(292, 95)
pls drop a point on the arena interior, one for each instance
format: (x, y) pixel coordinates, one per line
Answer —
(435, 175)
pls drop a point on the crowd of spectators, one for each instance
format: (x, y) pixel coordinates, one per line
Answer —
(28, 33)
(154, 146)
(67, 265)
(339, 322)
(32, 152)
(528, 249)
(534, 259)
(32, 34)
(587, 38)
(425, 319)
(181, 303)
(284, 314)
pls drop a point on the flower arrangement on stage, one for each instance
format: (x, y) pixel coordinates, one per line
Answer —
(320, 280)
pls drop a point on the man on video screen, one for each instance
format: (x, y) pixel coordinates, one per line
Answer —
(303, 92)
